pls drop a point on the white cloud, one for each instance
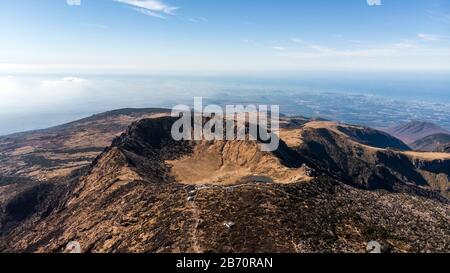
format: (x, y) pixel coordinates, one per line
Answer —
(66, 81)
(405, 54)
(404, 45)
(73, 2)
(374, 2)
(279, 48)
(431, 37)
(198, 20)
(306, 50)
(153, 8)
(297, 40)
(150, 13)
(317, 52)
(20, 94)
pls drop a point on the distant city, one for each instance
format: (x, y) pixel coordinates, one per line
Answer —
(59, 99)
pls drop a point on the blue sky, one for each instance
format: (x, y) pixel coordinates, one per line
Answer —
(134, 36)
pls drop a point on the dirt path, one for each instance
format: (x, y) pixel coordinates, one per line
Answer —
(196, 219)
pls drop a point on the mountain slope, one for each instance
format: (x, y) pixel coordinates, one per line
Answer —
(326, 147)
(129, 200)
(55, 152)
(415, 130)
(433, 143)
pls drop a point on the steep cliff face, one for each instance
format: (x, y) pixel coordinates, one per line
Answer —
(196, 162)
(351, 160)
(433, 165)
(373, 138)
(135, 198)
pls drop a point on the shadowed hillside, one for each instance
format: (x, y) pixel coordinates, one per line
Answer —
(415, 130)
(433, 143)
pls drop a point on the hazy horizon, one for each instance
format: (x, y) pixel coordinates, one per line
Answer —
(63, 98)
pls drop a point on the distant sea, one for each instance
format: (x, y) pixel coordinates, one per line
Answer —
(30, 102)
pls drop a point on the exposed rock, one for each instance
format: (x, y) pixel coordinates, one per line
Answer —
(130, 200)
